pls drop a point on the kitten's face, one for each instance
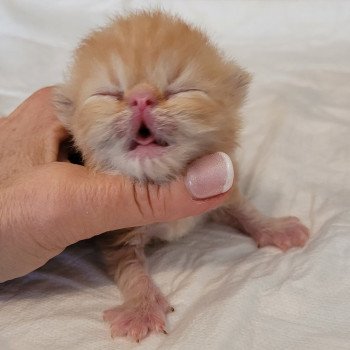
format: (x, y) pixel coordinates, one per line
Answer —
(148, 94)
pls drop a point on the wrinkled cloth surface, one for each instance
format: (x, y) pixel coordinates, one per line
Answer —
(294, 160)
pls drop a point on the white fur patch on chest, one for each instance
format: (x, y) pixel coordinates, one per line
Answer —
(173, 230)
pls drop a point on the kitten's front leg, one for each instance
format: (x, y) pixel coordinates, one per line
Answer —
(145, 308)
(284, 233)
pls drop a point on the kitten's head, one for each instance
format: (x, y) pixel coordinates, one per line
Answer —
(148, 94)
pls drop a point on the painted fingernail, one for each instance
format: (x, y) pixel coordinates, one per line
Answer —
(210, 175)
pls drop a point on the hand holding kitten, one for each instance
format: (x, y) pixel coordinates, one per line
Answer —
(47, 205)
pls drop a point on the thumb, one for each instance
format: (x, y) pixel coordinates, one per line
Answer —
(98, 202)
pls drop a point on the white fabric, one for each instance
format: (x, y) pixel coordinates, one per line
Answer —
(294, 160)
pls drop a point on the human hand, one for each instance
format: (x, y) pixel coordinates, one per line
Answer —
(46, 205)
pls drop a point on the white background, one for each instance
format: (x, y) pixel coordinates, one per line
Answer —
(294, 160)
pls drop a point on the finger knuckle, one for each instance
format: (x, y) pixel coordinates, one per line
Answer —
(43, 92)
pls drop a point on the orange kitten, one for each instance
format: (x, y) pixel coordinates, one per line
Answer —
(145, 96)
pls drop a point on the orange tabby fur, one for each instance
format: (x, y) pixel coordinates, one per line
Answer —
(198, 94)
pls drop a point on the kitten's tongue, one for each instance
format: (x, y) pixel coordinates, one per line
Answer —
(144, 141)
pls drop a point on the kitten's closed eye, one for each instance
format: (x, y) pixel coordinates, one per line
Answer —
(171, 93)
(119, 95)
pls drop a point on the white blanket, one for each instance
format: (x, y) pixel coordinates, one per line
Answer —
(294, 160)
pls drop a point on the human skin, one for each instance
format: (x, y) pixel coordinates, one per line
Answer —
(47, 205)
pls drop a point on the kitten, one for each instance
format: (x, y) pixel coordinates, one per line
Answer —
(145, 96)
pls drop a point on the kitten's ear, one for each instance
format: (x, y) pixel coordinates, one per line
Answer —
(63, 104)
(241, 81)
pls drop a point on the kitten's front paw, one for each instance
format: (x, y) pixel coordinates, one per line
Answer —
(284, 233)
(137, 320)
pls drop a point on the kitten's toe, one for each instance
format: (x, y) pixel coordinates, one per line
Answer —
(284, 233)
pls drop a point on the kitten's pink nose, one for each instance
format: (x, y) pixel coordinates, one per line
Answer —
(142, 99)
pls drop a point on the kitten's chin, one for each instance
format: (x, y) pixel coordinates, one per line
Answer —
(152, 164)
(146, 160)
(157, 169)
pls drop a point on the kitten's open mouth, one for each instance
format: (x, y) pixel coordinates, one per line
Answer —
(146, 144)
